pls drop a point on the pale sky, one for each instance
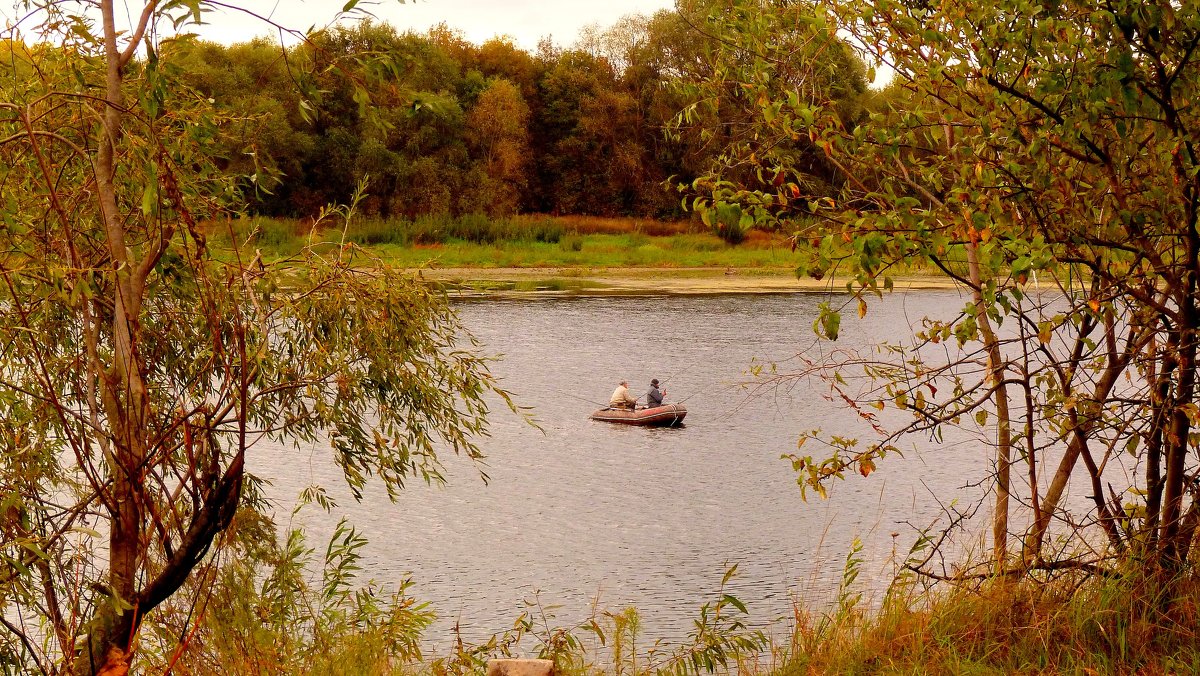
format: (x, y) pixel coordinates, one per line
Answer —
(527, 21)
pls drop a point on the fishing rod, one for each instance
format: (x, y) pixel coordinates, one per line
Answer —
(663, 381)
(681, 369)
(594, 403)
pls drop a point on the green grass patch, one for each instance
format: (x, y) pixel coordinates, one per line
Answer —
(481, 242)
(476, 241)
(596, 251)
(550, 285)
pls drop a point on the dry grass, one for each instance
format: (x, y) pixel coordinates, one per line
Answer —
(1092, 627)
(603, 225)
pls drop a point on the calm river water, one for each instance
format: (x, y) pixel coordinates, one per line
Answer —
(647, 517)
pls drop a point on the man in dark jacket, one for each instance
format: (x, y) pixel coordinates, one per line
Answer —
(655, 397)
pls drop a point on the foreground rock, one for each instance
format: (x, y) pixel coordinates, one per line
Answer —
(520, 667)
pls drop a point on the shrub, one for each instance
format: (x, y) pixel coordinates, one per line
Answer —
(547, 231)
(477, 228)
(431, 229)
(571, 243)
(732, 234)
(276, 606)
(693, 243)
(369, 231)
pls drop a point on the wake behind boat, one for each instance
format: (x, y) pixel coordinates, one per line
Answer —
(667, 415)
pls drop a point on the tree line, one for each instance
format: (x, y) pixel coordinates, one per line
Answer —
(461, 128)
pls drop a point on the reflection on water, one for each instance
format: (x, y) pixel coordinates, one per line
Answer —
(646, 516)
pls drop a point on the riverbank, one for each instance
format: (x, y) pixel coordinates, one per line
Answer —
(645, 280)
(557, 255)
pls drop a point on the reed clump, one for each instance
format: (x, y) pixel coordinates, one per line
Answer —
(477, 241)
(1068, 625)
(472, 228)
(284, 236)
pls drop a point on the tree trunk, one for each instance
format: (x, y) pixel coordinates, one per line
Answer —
(1176, 446)
(996, 371)
(124, 395)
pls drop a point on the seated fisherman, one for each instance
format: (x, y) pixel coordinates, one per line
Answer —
(655, 397)
(620, 397)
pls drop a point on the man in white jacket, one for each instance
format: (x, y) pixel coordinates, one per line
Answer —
(620, 397)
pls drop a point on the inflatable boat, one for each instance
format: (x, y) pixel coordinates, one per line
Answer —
(667, 415)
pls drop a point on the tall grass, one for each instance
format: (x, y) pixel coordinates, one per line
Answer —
(1068, 626)
(276, 606)
(476, 241)
(604, 225)
(594, 251)
(473, 228)
(286, 236)
(1072, 624)
(280, 237)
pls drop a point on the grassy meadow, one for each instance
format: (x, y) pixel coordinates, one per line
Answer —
(522, 242)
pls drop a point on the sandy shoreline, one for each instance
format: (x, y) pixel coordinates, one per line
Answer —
(609, 281)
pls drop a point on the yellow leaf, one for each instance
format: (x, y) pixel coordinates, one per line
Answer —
(1044, 332)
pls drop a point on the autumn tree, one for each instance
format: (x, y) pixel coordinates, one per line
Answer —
(594, 128)
(499, 57)
(653, 55)
(498, 130)
(1026, 142)
(760, 60)
(408, 139)
(139, 368)
(587, 122)
(264, 137)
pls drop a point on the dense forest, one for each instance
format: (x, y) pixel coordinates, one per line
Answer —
(458, 128)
